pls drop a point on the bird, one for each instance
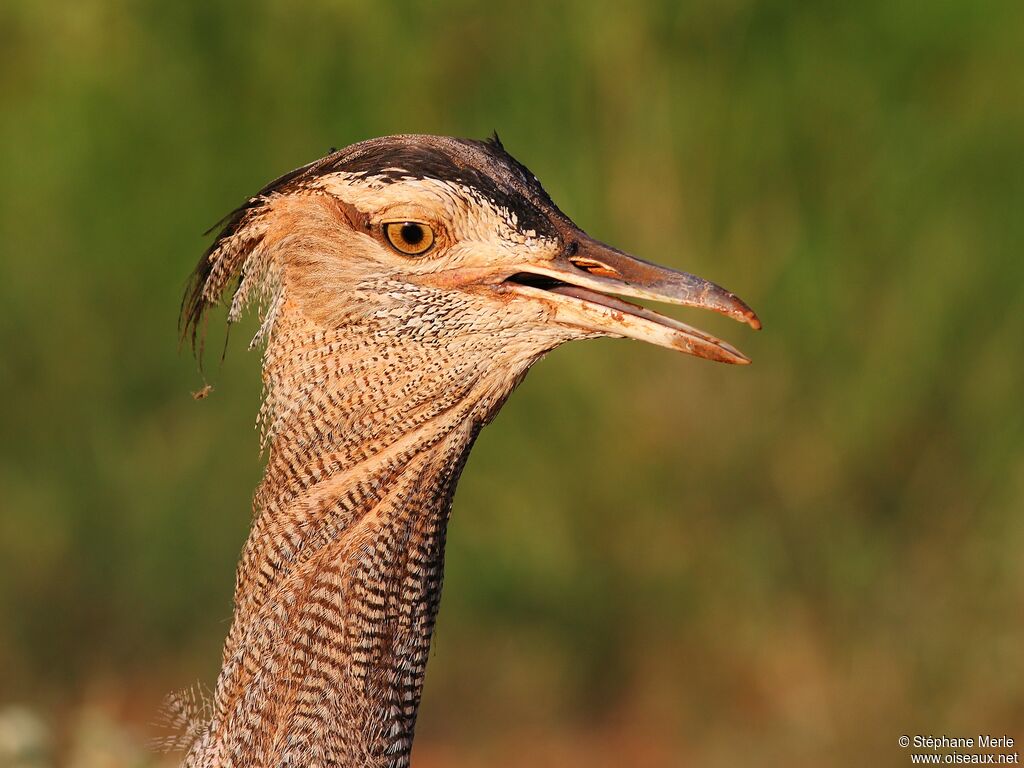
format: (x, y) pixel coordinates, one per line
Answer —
(404, 286)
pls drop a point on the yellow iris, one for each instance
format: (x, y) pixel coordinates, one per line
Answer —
(411, 238)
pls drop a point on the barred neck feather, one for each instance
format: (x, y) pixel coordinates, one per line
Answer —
(338, 587)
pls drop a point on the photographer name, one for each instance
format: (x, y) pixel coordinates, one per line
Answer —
(969, 742)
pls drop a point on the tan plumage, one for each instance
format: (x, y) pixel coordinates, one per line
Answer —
(380, 368)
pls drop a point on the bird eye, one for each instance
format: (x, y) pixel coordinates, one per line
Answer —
(409, 237)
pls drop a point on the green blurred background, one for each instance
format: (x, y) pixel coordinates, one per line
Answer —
(653, 560)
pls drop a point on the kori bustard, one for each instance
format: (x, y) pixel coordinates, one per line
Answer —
(405, 285)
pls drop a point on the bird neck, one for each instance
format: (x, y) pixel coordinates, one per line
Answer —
(339, 583)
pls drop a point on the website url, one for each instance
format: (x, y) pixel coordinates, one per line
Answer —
(965, 758)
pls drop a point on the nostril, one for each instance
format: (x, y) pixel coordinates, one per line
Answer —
(594, 267)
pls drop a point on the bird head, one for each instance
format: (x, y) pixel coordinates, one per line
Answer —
(437, 238)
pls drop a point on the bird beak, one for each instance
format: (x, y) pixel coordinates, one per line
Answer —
(582, 285)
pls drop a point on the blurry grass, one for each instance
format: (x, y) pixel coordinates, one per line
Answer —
(818, 552)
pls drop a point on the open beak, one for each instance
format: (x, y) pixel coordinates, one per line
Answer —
(582, 286)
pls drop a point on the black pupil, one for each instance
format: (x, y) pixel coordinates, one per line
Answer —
(412, 234)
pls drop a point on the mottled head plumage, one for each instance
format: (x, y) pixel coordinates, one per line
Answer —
(483, 166)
